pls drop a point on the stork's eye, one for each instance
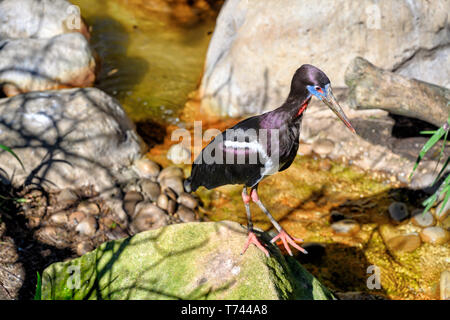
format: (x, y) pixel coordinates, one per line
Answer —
(319, 89)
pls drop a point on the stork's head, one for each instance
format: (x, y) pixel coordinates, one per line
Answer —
(311, 81)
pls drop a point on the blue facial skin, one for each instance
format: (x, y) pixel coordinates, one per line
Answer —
(317, 94)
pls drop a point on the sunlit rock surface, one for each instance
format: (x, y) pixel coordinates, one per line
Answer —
(66, 138)
(183, 261)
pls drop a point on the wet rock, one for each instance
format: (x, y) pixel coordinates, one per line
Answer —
(323, 147)
(404, 243)
(88, 208)
(304, 149)
(346, 227)
(163, 201)
(444, 285)
(42, 64)
(75, 218)
(170, 172)
(150, 189)
(83, 247)
(130, 200)
(422, 219)
(398, 211)
(147, 168)
(39, 19)
(87, 226)
(435, 235)
(59, 218)
(174, 183)
(188, 200)
(171, 206)
(442, 213)
(67, 196)
(185, 214)
(149, 217)
(87, 133)
(179, 154)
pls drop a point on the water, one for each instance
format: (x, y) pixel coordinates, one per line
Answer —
(149, 61)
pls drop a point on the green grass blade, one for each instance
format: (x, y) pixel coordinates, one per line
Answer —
(7, 149)
(38, 293)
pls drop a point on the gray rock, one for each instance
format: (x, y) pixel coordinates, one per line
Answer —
(421, 219)
(150, 189)
(67, 139)
(346, 227)
(404, 243)
(163, 201)
(444, 285)
(170, 172)
(39, 19)
(398, 211)
(147, 168)
(174, 183)
(188, 200)
(257, 46)
(67, 196)
(130, 200)
(179, 154)
(149, 217)
(41, 64)
(88, 226)
(185, 214)
(435, 235)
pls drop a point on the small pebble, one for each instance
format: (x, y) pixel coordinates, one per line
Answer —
(398, 211)
(149, 217)
(87, 226)
(150, 189)
(188, 200)
(346, 227)
(185, 214)
(442, 215)
(163, 201)
(89, 208)
(147, 168)
(171, 206)
(444, 285)
(174, 183)
(171, 171)
(421, 219)
(67, 196)
(304, 149)
(59, 218)
(404, 243)
(323, 147)
(83, 247)
(75, 218)
(434, 235)
(130, 201)
(179, 154)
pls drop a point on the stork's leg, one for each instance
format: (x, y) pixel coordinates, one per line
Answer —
(285, 238)
(251, 235)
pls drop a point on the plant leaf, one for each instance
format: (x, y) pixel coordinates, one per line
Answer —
(8, 149)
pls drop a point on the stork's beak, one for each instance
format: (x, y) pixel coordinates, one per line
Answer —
(332, 103)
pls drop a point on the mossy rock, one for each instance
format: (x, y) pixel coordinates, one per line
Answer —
(200, 260)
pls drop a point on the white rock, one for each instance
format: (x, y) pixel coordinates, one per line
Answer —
(257, 46)
(179, 154)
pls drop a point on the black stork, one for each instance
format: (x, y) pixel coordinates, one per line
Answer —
(262, 145)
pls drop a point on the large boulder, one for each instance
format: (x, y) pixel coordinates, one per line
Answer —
(63, 61)
(66, 138)
(257, 46)
(183, 261)
(39, 19)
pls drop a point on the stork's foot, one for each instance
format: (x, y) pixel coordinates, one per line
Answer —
(286, 240)
(253, 239)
